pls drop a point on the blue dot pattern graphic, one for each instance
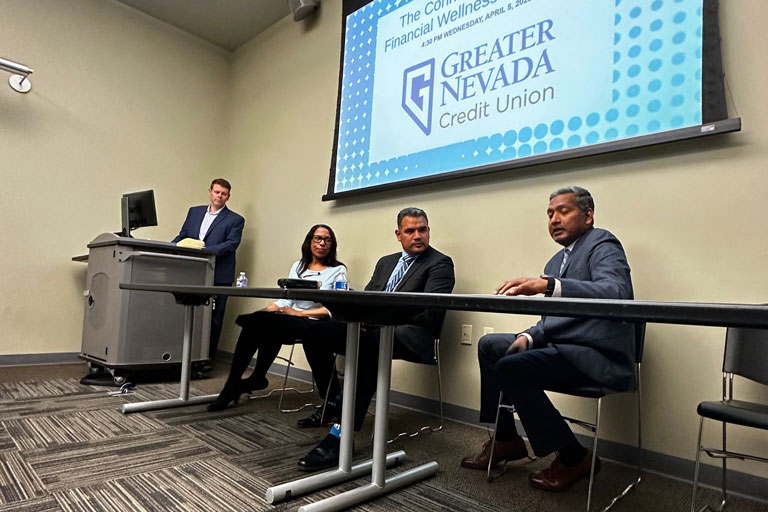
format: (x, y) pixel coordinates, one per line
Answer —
(352, 165)
(654, 88)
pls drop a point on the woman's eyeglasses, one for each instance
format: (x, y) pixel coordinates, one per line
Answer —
(322, 239)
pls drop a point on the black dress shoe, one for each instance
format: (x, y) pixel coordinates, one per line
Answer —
(318, 419)
(323, 456)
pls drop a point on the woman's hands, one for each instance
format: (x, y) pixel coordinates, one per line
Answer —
(288, 310)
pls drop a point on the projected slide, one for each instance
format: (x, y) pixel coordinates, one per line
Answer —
(435, 86)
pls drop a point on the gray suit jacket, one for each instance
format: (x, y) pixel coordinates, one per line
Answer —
(603, 349)
(431, 272)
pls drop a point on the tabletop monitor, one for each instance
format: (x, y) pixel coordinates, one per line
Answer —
(138, 211)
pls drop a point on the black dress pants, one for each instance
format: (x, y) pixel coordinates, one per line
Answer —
(523, 377)
(320, 358)
(217, 320)
(266, 332)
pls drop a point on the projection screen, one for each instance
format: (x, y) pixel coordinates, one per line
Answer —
(437, 89)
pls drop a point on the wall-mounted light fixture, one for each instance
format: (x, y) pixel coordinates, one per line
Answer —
(19, 79)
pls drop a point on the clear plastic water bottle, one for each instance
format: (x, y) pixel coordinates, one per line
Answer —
(242, 281)
(341, 282)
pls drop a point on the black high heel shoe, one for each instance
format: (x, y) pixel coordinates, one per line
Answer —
(249, 385)
(232, 393)
(228, 394)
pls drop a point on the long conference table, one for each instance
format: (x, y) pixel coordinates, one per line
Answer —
(390, 309)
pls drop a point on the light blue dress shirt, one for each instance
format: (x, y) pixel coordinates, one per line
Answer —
(328, 276)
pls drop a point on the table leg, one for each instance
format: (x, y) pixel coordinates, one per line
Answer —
(288, 490)
(349, 395)
(186, 370)
(381, 419)
(379, 485)
(346, 471)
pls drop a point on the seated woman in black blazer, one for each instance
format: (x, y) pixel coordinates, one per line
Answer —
(286, 321)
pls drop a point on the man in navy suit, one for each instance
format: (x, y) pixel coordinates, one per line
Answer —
(558, 352)
(418, 267)
(221, 229)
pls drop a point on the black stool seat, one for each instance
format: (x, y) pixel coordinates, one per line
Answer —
(746, 355)
(748, 414)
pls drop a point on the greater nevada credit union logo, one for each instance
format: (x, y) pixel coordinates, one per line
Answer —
(418, 89)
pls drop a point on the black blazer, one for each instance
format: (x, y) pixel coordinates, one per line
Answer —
(431, 272)
(223, 237)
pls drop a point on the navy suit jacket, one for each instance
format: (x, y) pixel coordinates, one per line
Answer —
(603, 349)
(223, 237)
(431, 272)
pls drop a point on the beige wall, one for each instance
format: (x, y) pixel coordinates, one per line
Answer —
(120, 102)
(118, 111)
(689, 215)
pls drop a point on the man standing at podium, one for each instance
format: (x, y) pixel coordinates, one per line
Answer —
(221, 230)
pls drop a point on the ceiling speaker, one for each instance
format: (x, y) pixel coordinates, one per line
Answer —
(303, 8)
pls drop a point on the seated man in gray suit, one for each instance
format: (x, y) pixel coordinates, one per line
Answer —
(558, 352)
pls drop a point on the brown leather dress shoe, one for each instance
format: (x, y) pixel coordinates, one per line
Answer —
(559, 477)
(502, 452)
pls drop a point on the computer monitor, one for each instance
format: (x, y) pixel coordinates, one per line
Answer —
(138, 210)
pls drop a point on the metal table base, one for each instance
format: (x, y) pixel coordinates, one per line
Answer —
(186, 369)
(377, 466)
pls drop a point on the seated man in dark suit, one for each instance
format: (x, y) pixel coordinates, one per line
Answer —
(221, 230)
(558, 352)
(417, 268)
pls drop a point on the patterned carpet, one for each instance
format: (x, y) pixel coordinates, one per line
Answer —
(66, 447)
